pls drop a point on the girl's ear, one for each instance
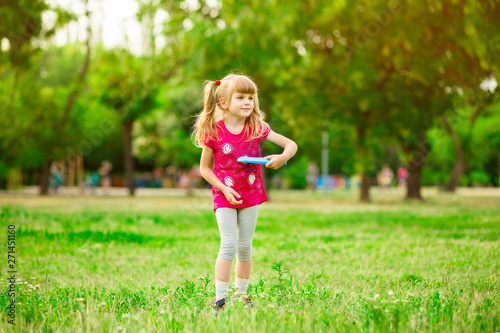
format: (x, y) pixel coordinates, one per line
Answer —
(222, 103)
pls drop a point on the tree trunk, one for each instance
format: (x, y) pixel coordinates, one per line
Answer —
(456, 173)
(414, 185)
(364, 194)
(460, 164)
(129, 158)
(415, 166)
(79, 173)
(361, 150)
(44, 179)
(71, 171)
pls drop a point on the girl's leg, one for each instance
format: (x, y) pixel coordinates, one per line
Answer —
(247, 220)
(227, 222)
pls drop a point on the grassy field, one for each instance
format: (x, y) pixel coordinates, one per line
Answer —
(108, 264)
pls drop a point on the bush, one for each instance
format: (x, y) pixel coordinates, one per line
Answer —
(464, 181)
(479, 177)
(434, 177)
(295, 173)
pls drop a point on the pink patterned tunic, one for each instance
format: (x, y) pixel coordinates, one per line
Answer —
(245, 179)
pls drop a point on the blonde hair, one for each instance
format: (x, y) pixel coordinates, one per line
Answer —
(206, 125)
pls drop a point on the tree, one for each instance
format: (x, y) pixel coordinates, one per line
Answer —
(23, 30)
(126, 84)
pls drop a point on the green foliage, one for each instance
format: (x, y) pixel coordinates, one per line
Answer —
(479, 177)
(373, 74)
(295, 172)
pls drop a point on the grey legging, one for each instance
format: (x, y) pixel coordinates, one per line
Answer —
(236, 227)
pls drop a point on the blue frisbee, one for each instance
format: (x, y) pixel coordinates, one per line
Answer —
(255, 160)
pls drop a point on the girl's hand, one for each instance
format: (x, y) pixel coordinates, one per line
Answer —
(276, 161)
(231, 196)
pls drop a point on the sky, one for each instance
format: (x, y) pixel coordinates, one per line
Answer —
(113, 20)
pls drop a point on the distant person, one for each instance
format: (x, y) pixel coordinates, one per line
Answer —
(169, 180)
(231, 125)
(92, 181)
(105, 173)
(385, 177)
(56, 179)
(195, 176)
(183, 181)
(312, 175)
(157, 180)
(402, 175)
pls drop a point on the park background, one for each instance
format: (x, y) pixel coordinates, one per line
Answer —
(398, 83)
(357, 84)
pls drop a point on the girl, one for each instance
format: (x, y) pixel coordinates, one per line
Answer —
(231, 125)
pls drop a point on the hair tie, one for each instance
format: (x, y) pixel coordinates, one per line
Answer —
(217, 83)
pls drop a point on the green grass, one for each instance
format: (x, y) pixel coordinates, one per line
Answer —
(319, 265)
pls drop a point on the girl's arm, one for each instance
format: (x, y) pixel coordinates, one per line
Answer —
(277, 161)
(206, 172)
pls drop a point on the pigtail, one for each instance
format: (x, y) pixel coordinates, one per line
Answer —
(205, 127)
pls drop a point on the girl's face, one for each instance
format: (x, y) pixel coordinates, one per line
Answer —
(241, 105)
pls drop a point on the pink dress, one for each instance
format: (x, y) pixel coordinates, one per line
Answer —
(245, 179)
